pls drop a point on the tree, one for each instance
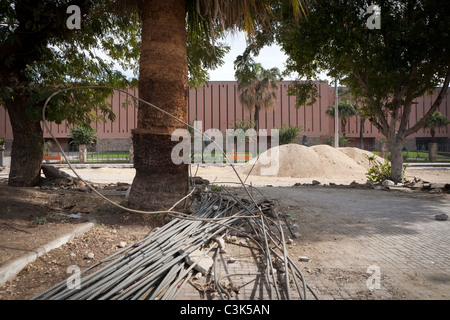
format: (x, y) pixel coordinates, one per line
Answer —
(163, 81)
(346, 110)
(387, 67)
(258, 87)
(436, 121)
(40, 54)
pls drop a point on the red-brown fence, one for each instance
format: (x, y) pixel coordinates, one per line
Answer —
(217, 105)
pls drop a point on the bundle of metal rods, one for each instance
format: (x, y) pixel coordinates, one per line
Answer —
(155, 267)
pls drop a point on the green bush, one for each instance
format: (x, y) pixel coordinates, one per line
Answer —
(288, 134)
(83, 135)
(378, 172)
(342, 141)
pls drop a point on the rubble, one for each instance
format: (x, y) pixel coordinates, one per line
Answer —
(441, 217)
(201, 261)
(166, 258)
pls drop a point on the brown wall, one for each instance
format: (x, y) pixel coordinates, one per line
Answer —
(217, 105)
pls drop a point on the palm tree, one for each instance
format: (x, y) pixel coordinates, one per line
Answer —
(258, 88)
(346, 110)
(163, 81)
(436, 121)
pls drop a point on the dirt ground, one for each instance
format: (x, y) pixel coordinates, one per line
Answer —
(30, 217)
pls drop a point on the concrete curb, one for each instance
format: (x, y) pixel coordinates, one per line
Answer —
(10, 269)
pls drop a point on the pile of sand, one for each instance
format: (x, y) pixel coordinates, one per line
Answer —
(318, 162)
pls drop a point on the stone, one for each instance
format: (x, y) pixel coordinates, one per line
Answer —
(198, 276)
(221, 243)
(315, 182)
(303, 259)
(90, 255)
(52, 173)
(438, 185)
(388, 183)
(203, 265)
(441, 217)
(83, 189)
(426, 185)
(231, 260)
(418, 185)
(122, 244)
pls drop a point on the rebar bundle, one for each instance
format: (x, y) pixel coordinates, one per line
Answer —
(155, 267)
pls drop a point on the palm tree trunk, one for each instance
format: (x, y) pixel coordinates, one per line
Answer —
(159, 183)
(256, 118)
(361, 133)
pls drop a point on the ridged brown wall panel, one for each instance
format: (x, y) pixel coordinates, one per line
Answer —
(217, 105)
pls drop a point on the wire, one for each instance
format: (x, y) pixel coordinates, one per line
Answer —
(153, 267)
(151, 105)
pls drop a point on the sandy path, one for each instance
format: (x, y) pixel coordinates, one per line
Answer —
(226, 176)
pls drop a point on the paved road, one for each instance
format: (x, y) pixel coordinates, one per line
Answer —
(362, 244)
(349, 230)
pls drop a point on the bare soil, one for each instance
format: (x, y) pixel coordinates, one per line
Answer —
(31, 217)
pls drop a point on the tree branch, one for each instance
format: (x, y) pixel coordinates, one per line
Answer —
(383, 125)
(376, 124)
(433, 108)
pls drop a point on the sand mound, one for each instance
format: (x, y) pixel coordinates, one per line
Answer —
(292, 160)
(358, 155)
(298, 161)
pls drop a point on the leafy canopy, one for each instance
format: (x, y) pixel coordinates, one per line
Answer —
(388, 67)
(40, 54)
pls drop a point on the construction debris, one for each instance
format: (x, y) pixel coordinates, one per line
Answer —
(159, 265)
(200, 260)
(441, 217)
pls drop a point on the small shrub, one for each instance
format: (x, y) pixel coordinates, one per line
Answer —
(39, 221)
(216, 188)
(48, 146)
(342, 141)
(378, 172)
(83, 135)
(288, 134)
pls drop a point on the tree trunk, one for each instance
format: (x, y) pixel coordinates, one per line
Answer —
(159, 183)
(256, 119)
(361, 133)
(384, 150)
(82, 153)
(27, 147)
(433, 151)
(396, 149)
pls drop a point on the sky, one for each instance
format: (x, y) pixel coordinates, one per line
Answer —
(269, 57)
